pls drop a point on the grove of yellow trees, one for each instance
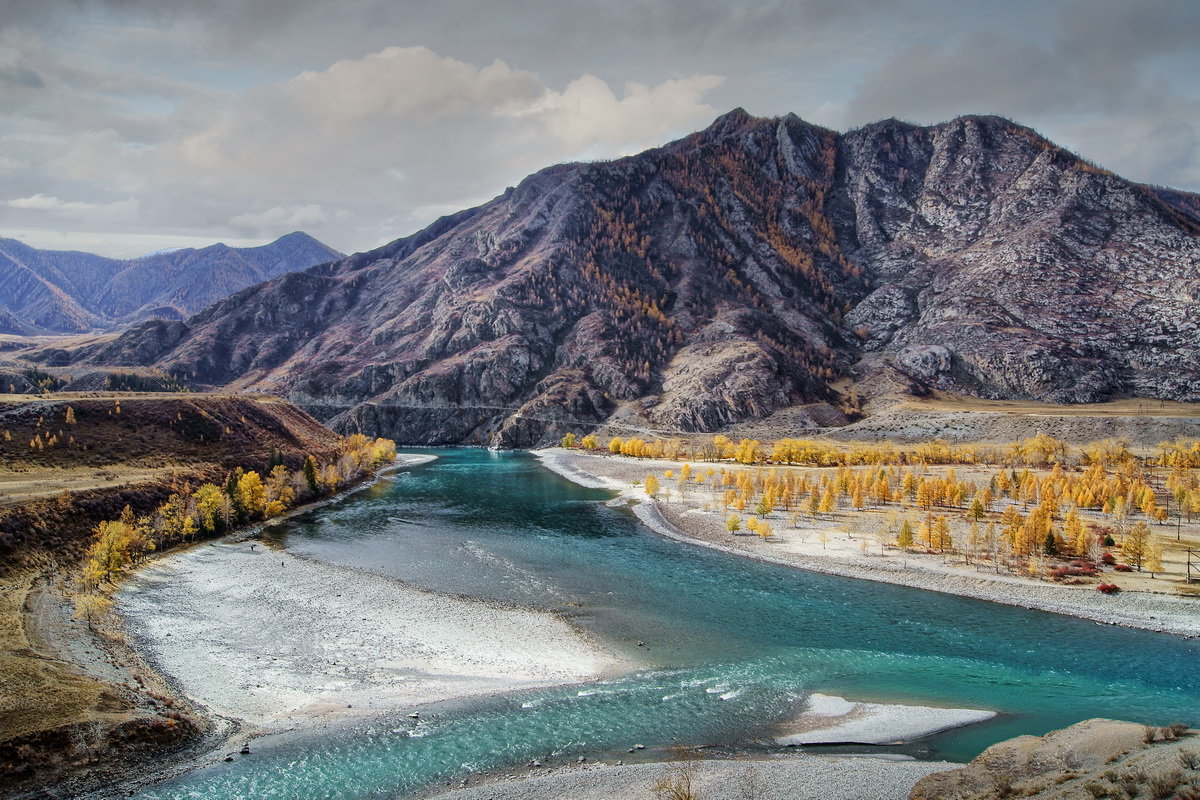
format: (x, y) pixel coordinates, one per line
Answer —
(120, 545)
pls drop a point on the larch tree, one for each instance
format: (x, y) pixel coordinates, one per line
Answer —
(1154, 555)
(1133, 549)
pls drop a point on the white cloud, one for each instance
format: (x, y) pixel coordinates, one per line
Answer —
(116, 211)
(588, 111)
(280, 217)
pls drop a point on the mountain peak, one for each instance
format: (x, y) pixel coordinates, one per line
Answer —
(728, 123)
(738, 271)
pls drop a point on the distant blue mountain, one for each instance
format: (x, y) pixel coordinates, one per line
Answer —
(65, 291)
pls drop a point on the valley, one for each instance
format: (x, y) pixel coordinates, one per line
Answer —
(878, 449)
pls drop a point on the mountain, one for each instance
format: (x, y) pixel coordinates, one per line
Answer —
(57, 291)
(726, 275)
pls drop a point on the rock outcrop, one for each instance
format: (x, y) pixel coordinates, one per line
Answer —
(724, 276)
(1098, 758)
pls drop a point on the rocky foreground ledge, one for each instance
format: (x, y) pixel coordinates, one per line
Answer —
(1098, 758)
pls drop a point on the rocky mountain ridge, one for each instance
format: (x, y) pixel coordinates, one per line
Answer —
(61, 291)
(721, 277)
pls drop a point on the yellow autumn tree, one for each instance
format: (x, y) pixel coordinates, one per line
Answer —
(250, 495)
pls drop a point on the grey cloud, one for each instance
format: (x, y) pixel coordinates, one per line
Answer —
(229, 118)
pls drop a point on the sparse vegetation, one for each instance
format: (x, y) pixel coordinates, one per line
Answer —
(121, 544)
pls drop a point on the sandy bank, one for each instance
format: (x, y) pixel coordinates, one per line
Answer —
(835, 720)
(791, 777)
(1156, 612)
(270, 638)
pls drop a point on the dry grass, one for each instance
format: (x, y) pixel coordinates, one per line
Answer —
(945, 401)
(38, 692)
(21, 487)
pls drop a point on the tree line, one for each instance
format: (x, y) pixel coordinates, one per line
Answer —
(211, 509)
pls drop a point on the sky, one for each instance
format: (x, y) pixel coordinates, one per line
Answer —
(129, 126)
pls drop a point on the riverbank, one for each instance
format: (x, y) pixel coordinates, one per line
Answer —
(276, 640)
(785, 777)
(1156, 612)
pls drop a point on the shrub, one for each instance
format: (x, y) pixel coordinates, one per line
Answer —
(1108, 558)
(1163, 786)
(1108, 588)
(1122, 568)
(1073, 571)
(1176, 729)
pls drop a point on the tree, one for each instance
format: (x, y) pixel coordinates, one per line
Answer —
(733, 523)
(614, 444)
(250, 496)
(589, 442)
(91, 606)
(1050, 546)
(568, 440)
(188, 529)
(828, 500)
(1075, 533)
(279, 492)
(209, 500)
(651, 485)
(1154, 555)
(69, 417)
(905, 538)
(678, 781)
(941, 528)
(977, 511)
(1133, 549)
(312, 474)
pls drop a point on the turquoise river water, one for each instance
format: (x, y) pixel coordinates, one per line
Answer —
(732, 645)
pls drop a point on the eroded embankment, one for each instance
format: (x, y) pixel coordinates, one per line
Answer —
(76, 704)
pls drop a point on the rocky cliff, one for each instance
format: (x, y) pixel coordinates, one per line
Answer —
(56, 291)
(726, 275)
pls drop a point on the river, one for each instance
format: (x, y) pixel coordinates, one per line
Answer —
(730, 646)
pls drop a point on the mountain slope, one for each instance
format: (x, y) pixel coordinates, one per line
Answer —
(724, 276)
(68, 291)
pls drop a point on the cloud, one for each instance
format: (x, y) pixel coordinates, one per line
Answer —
(101, 213)
(281, 218)
(1095, 84)
(587, 111)
(362, 120)
(407, 127)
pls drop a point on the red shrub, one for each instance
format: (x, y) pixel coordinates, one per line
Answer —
(1122, 568)
(1108, 588)
(1108, 558)
(1073, 571)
